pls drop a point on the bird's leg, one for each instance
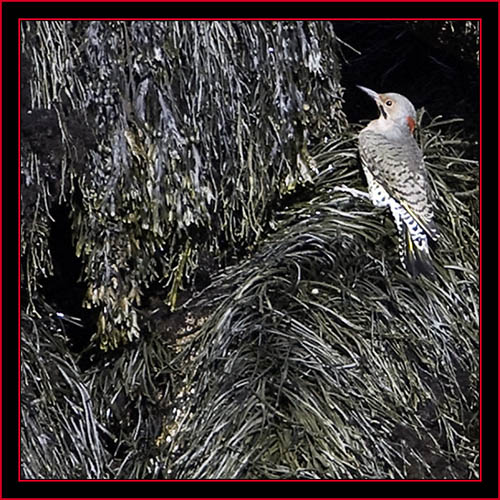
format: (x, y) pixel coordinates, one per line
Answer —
(353, 192)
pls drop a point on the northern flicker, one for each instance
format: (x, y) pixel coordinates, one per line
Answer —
(395, 170)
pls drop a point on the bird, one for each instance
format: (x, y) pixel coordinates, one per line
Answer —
(397, 178)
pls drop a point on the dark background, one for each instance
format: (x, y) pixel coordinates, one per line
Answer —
(393, 60)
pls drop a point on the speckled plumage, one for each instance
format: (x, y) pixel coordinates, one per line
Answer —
(395, 170)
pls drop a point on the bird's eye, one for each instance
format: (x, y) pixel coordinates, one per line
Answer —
(388, 103)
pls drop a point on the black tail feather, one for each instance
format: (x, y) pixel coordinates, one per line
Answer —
(416, 261)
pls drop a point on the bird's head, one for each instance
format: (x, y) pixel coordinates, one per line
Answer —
(394, 107)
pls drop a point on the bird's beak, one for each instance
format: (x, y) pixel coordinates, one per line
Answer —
(376, 96)
(370, 92)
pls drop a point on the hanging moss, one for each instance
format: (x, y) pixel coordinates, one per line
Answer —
(60, 434)
(199, 127)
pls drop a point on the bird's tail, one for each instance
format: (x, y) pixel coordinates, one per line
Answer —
(415, 258)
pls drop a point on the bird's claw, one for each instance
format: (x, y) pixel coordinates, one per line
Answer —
(353, 192)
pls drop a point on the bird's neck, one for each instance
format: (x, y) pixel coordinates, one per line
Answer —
(389, 128)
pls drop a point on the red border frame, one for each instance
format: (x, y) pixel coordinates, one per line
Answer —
(255, 19)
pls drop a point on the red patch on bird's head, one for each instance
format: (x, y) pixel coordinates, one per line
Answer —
(411, 123)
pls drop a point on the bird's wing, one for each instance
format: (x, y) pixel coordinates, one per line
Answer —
(399, 167)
